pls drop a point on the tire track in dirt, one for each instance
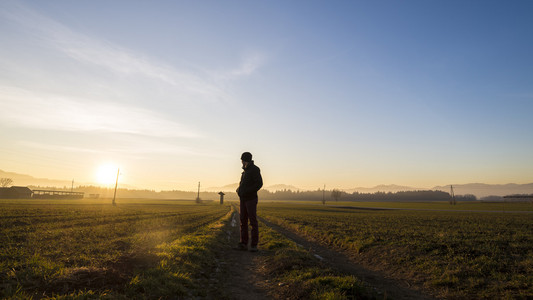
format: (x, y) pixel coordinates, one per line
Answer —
(339, 261)
(240, 278)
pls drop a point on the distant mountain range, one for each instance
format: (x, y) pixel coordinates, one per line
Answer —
(392, 188)
(478, 189)
(227, 188)
(484, 190)
(281, 187)
(26, 180)
(271, 188)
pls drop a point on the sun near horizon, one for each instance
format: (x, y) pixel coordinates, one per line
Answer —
(106, 173)
(366, 94)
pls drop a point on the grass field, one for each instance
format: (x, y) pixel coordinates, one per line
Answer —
(482, 206)
(452, 254)
(523, 206)
(163, 249)
(304, 276)
(82, 248)
(143, 249)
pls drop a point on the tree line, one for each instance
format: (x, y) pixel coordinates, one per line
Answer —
(317, 195)
(337, 195)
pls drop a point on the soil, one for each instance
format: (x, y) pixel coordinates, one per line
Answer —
(238, 272)
(379, 282)
(240, 276)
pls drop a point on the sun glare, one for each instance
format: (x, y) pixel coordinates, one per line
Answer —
(106, 174)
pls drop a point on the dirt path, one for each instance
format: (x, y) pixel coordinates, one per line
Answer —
(239, 273)
(240, 278)
(341, 262)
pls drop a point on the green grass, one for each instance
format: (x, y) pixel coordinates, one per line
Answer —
(180, 271)
(303, 275)
(77, 249)
(151, 249)
(452, 254)
(433, 205)
(484, 206)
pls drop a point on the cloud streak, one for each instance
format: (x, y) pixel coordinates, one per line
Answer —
(125, 62)
(131, 147)
(30, 103)
(23, 108)
(111, 57)
(249, 65)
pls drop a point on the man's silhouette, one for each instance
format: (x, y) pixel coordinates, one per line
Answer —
(251, 182)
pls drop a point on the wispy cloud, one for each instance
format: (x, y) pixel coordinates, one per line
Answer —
(130, 147)
(113, 58)
(44, 101)
(116, 59)
(249, 65)
(75, 83)
(58, 148)
(23, 108)
(125, 62)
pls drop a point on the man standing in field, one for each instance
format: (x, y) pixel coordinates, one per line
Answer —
(251, 182)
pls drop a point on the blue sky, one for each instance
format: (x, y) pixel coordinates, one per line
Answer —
(343, 93)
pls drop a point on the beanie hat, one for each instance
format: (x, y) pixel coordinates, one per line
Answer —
(246, 156)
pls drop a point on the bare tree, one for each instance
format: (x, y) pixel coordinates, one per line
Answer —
(5, 182)
(336, 194)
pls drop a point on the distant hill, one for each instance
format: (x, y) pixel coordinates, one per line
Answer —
(392, 188)
(478, 189)
(281, 187)
(26, 180)
(232, 187)
(227, 188)
(484, 190)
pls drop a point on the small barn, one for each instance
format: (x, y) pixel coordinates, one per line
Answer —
(46, 194)
(16, 192)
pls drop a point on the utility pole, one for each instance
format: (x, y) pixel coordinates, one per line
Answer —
(116, 184)
(72, 187)
(324, 195)
(452, 201)
(198, 197)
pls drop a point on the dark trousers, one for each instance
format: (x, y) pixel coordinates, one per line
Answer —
(248, 211)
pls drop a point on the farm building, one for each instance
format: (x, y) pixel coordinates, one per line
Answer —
(16, 192)
(23, 192)
(45, 194)
(519, 198)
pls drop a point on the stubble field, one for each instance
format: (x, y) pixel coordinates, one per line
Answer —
(84, 248)
(160, 249)
(450, 254)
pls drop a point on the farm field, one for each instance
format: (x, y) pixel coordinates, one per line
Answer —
(83, 248)
(433, 205)
(449, 254)
(167, 249)
(151, 249)
(471, 205)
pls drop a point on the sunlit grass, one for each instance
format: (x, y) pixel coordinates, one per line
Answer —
(302, 273)
(430, 205)
(453, 254)
(60, 248)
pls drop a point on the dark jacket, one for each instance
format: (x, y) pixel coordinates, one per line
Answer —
(251, 182)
